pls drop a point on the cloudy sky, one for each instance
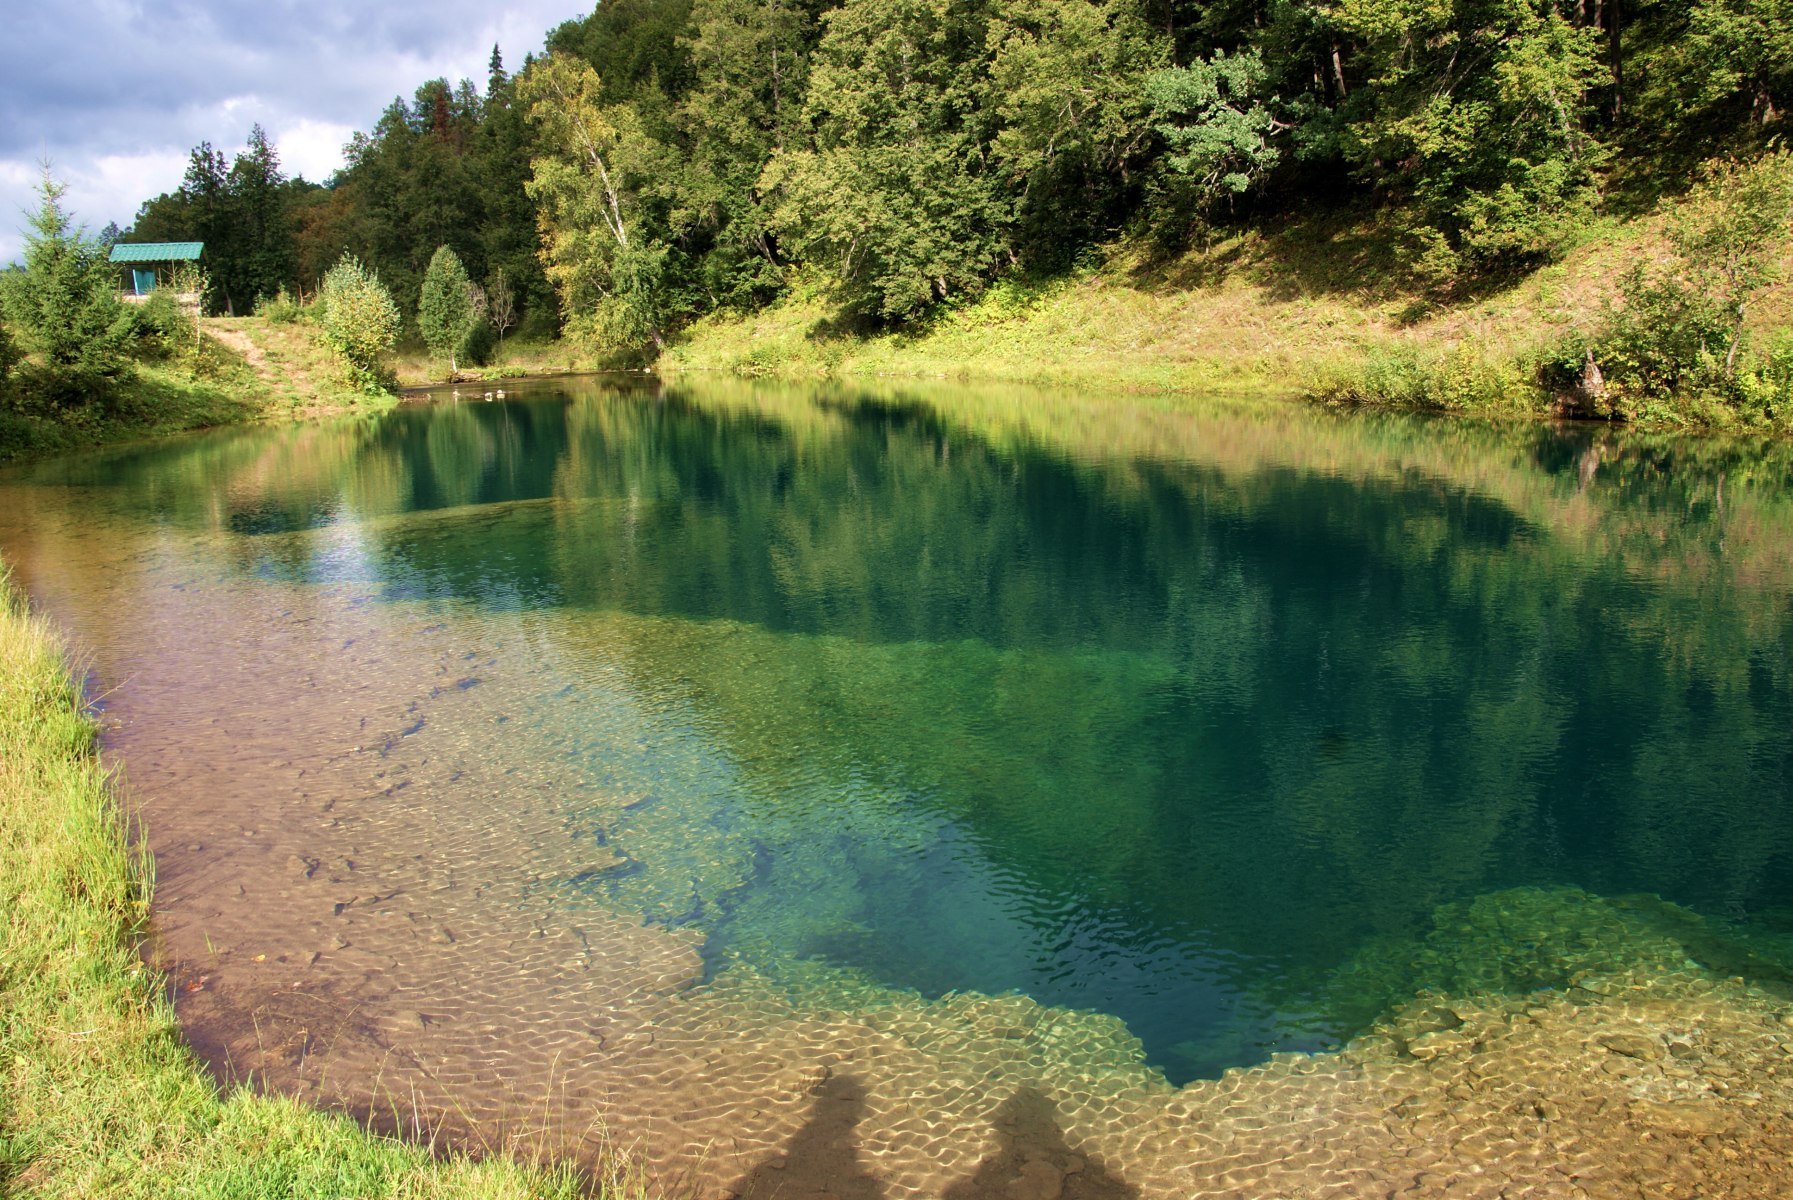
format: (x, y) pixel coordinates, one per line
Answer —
(116, 92)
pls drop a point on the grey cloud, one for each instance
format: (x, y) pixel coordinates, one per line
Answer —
(84, 81)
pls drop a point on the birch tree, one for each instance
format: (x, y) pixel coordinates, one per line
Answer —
(591, 163)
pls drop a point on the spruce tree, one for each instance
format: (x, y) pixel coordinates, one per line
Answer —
(64, 303)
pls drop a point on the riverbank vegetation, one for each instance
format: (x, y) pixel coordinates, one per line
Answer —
(80, 365)
(871, 184)
(102, 1098)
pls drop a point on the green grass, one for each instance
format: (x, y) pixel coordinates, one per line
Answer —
(98, 1094)
(1291, 311)
(519, 356)
(147, 401)
(1316, 307)
(289, 363)
(243, 369)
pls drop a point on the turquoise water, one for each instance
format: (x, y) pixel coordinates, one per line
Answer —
(1203, 719)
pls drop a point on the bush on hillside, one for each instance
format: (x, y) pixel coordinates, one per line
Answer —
(280, 309)
(165, 329)
(1682, 327)
(360, 321)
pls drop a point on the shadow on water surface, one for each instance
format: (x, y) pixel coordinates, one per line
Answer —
(822, 1158)
(1031, 1159)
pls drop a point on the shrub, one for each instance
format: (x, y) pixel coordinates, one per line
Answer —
(280, 308)
(1462, 379)
(1680, 331)
(9, 354)
(164, 328)
(479, 345)
(1765, 391)
(359, 320)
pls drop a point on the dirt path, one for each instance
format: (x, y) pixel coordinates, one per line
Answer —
(243, 344)
(284, 373)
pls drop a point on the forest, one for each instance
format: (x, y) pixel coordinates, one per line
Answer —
(665, 159)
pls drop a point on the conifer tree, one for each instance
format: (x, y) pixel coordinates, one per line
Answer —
(64, 302)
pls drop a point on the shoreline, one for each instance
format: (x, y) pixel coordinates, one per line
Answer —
(1389, 1093)
(106, 1097)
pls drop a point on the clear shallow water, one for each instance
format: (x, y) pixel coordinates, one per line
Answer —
(1201, 720)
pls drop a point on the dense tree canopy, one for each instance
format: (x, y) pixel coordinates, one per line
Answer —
(671, 157)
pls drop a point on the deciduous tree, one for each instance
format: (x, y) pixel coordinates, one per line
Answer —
(445, 306)
(593, 163)
(359, 319)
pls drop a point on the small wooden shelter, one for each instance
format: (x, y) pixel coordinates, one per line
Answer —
(152, 264)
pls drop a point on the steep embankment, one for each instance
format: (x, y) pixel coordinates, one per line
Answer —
(295, 371)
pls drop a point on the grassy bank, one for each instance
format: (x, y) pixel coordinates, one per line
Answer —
(98, 1094)
(518, 356)
(242, 369)
(1315, 307)
(288, 366)
(146, 402)
(1305, 309)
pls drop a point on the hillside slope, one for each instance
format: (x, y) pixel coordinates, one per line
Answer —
(1314, 308)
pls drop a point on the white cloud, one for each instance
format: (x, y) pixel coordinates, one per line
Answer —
(116, 92)
(108, 183)
(311, 148)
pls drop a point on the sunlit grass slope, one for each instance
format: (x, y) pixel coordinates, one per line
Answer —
(98, 1094)
(1318, 307)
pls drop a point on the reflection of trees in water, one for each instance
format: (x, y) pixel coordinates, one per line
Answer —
(1284, 679)
(1393, 675)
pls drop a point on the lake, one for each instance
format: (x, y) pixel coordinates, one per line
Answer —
(937, 790)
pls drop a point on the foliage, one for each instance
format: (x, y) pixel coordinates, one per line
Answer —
(281, 308)
(1216, 129)
(1480, 110)
(445, 310)
(64, 302)
(1067, 91)
(633, 45)
(242, 211)
(164, 328)
(1737, 53)
(670, 158)
(749, 66)
(501, 304)
(1684, 321)
(896, 191)
(593, 165)
(359, 320)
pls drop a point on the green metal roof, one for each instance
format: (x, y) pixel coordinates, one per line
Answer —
(129, 252)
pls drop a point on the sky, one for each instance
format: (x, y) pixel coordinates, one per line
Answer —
(115, 93)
